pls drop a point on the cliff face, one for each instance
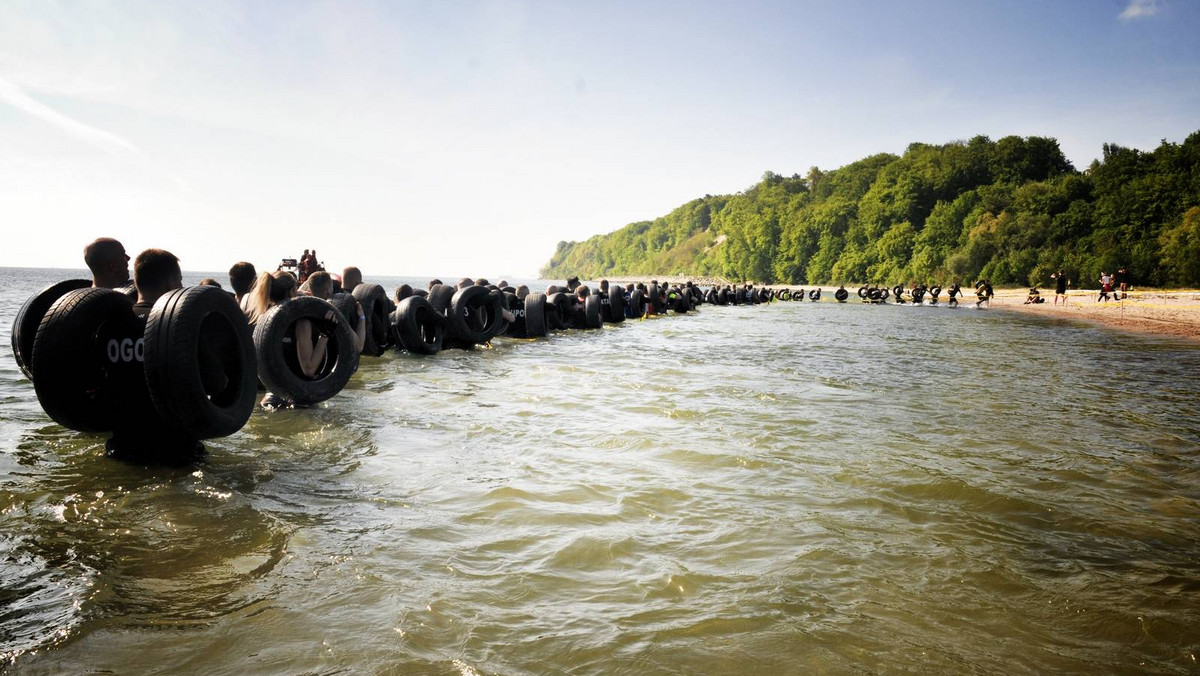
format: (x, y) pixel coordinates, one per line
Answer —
(1012, 210)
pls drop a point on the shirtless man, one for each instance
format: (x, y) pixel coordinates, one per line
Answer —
(109, 263)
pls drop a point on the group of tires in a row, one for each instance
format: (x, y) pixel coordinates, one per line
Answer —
(196, 364)
(873, 294)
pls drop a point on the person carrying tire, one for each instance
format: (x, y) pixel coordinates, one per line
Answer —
(139, 432)
(271, 290)
(321, 286)
(109, 263)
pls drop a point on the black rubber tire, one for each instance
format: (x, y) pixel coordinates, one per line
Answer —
(654, 296)
(374, 301)
(814, 295)
(25, 326)
(87, 359)
(935, 291)
(723, 297)
(681, 303)
(344, 302)
(591, 312)
(884, 294)
(560, 310)
(200, 363)
(129, 289)
(274, 345)
(616, 306)
(535, 315)
(419, 327)
(862, 291)
(841, 295)
(440, 296)
(475, 314)
(637, 303)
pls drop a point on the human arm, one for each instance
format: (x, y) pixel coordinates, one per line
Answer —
(309, 355)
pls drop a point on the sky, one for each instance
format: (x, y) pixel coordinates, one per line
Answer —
(468, 138)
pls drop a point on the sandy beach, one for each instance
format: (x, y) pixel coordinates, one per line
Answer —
(1171, 313)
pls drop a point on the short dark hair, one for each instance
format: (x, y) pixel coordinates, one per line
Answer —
(154, 269)
(209, 281)
(321, 284)
(241, 277)
(403, 291)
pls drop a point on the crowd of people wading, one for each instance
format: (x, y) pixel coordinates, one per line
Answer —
(162, 367)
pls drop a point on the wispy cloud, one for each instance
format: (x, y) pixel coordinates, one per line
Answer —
(15, 96)
(1139, 9)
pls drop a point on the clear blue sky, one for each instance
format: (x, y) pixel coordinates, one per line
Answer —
(470, 137)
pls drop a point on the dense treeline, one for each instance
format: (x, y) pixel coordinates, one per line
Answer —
(1012, 210)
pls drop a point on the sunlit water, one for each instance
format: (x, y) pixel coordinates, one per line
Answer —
(799, 488)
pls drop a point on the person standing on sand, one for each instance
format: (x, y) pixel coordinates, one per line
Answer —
(1060, 286)
(1122, 281)
(1105, 286)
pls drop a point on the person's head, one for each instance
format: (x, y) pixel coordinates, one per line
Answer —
(582, 291)
(433, 283)
(209, 281)
(155, 272)
(306, 253)
(351, 277)
(503, 284)
(465, 282)
(551, 290)
(321, 284)
(572, 283)
(109, 263)
(403, 291)
(270, 289)
(241, 278)
(522, 291)
(482, 282)
(604, 285)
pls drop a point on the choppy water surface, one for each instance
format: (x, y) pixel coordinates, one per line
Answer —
(797, 488)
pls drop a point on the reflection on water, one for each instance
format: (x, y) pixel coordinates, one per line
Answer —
(803, 488)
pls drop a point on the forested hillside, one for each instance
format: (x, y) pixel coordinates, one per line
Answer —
(1011, 210)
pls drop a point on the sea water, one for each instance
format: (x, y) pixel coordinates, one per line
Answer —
(797, 488)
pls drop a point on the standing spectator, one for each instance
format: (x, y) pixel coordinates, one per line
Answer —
(1122, 280)
(1060, 286)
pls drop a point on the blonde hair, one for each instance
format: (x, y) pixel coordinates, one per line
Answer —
(270, 289)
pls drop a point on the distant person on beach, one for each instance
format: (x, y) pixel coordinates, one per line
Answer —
(241, 279)
(351, 277)
(1105, 287)
(1034, 296)
(983, 292)
(155, 273)
(1060, 286)
(1121, 280)
(109, 263)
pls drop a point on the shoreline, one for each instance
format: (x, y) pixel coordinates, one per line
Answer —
(1158, 312)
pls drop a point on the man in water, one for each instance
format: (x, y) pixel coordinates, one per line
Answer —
(109, 263)
(140, 433)
(241, 278)
(351, 277)
(155, 272)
